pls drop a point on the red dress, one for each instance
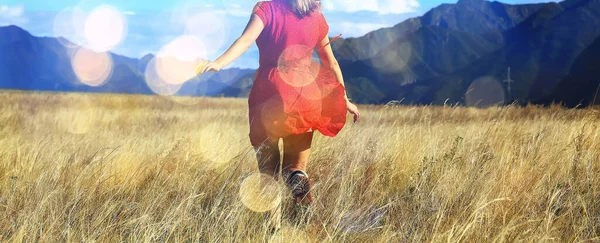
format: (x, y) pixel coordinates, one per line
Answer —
(292, 93)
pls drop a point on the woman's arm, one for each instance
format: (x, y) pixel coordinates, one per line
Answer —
(241, 45)
(330, 61)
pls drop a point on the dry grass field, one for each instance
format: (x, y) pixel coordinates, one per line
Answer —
(117, 168)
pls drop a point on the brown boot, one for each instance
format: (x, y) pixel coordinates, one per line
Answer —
(300, 186)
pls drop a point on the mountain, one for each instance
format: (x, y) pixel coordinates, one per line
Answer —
(454, 53)
(540, 52)
(439, 63)
(582, 85)
(41, 63)
(473, 16)
(447, 38)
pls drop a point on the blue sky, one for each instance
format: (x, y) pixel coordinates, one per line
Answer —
(153, 24)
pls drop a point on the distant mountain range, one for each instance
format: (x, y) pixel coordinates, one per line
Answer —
(434, 59)
(552, 50)
(41, 63)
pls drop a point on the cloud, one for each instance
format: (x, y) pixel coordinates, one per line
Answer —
(12, 15)
(356, 29)
(129, 12)
(379, 6)
(7, 11)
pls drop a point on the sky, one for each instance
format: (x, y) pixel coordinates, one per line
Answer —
(149, 26)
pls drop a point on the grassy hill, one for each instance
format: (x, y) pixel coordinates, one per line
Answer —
(112, 168)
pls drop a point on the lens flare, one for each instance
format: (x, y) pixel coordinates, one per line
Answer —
(187, 94)
(156, 83)
(272, 115)
(260, 192)
(69, 24)
(105, 28)
(77, 118)
(393, 61)
(92, 68)
(215, 145)
(208, 27)
(295, 66)
(176, 62)
(485, 92)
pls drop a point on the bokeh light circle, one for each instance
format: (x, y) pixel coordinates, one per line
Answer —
(365, 49)
(215, 144)
(70, 24)
(325, 84)
(260, 192)
(105, 28)
(92, 68)
(272, 115)
(188, 93)
(156, 83)
(485, 92)
(78, 117)
(209, 28)
(393, 61)
(295, 66)
(236, 78)
(176, 62)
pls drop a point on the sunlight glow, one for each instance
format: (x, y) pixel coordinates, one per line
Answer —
(69, 24)
(209, 28)
(77, 118)
(296, 67)
(272, 115)
(105, 28)
(189, 92)
(214, 144)
(485, 92)
(393, 61)
(92, 68)
(156, 83)
(260, 192)
(175, 63)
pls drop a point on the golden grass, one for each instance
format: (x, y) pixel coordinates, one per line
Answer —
(108, 168)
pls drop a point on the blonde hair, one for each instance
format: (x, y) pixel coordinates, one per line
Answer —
(304, 7)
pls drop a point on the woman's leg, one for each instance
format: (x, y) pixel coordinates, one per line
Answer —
(296, 152)
(269, 158)
(269, 162)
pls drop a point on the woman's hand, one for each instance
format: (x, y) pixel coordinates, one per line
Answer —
(353, 109)
(206, 66)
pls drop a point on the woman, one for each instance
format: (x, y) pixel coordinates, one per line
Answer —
(292, 96)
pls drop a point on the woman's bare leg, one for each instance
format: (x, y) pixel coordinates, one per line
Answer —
(268, 157)
(296, 152)
(269, 160)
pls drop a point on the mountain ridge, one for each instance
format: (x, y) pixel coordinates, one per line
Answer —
(44, 63)
(432, 59)
(549, 40)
